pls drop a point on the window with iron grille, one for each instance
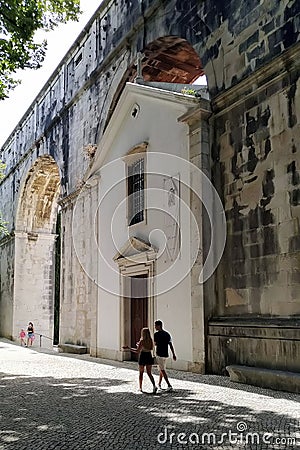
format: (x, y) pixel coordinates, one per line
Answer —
(135, 189)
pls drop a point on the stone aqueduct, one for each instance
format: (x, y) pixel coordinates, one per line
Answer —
(250, 54)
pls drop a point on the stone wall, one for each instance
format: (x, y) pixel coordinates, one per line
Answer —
(7, 286)
(256, 162)
(34, 284)
(267, 343)
(257, 159)
(249, 52)
(79, 271)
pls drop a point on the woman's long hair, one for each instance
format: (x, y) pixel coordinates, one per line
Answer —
(147, 339)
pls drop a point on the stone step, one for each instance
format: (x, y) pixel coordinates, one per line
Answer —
(273, 379)
(72, 348)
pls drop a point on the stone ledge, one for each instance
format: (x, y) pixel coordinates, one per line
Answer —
(266, 378)
(72, 348)
(265, 328)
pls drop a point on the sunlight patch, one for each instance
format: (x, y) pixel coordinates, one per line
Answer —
(42, 427)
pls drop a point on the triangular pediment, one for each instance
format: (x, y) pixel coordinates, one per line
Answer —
(134, 248)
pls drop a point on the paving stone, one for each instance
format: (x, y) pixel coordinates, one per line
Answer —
(58, 401)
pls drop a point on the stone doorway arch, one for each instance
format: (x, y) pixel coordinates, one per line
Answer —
(35, 247)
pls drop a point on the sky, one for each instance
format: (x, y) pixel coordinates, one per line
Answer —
(59, 42)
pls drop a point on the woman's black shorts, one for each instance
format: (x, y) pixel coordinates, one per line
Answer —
(146, 359)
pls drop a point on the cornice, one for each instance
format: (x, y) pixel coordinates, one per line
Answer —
(66, 201)
(200, 112)
(257, 81)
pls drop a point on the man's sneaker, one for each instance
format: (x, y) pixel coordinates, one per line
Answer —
(154, 389)
(169, 389)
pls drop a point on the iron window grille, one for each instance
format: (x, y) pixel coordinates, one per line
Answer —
(135, 186)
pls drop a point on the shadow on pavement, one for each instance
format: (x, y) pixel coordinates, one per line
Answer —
(70, 414)
(212, 380)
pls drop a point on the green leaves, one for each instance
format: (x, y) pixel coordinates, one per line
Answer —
(19, 20)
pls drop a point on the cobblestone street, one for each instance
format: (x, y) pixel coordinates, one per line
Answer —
(59, 401)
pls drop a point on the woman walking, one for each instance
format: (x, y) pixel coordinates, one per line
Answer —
(30, 334)
(144, 349)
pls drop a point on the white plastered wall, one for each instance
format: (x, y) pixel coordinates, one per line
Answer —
(157, 125)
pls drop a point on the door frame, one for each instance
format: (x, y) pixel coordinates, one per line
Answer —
(136, 258)
(125, 305)
(140, 302)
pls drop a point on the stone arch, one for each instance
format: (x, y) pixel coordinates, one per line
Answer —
(167, 59)
(38, 200)
(35, 247)
(170, 59)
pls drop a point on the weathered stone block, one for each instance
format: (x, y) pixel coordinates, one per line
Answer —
(71, 348)
(273, 379)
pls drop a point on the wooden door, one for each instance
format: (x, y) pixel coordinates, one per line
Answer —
(139, 308)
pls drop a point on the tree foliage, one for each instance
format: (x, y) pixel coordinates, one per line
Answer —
(19, 20)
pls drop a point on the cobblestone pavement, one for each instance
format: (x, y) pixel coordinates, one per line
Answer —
(57, 401)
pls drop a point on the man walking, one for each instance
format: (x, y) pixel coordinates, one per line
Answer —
(163, 340)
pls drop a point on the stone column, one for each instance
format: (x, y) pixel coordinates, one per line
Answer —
(199, 156)
(93, 189)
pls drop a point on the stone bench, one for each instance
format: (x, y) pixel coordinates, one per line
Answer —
(72, 348)
(273, 379)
